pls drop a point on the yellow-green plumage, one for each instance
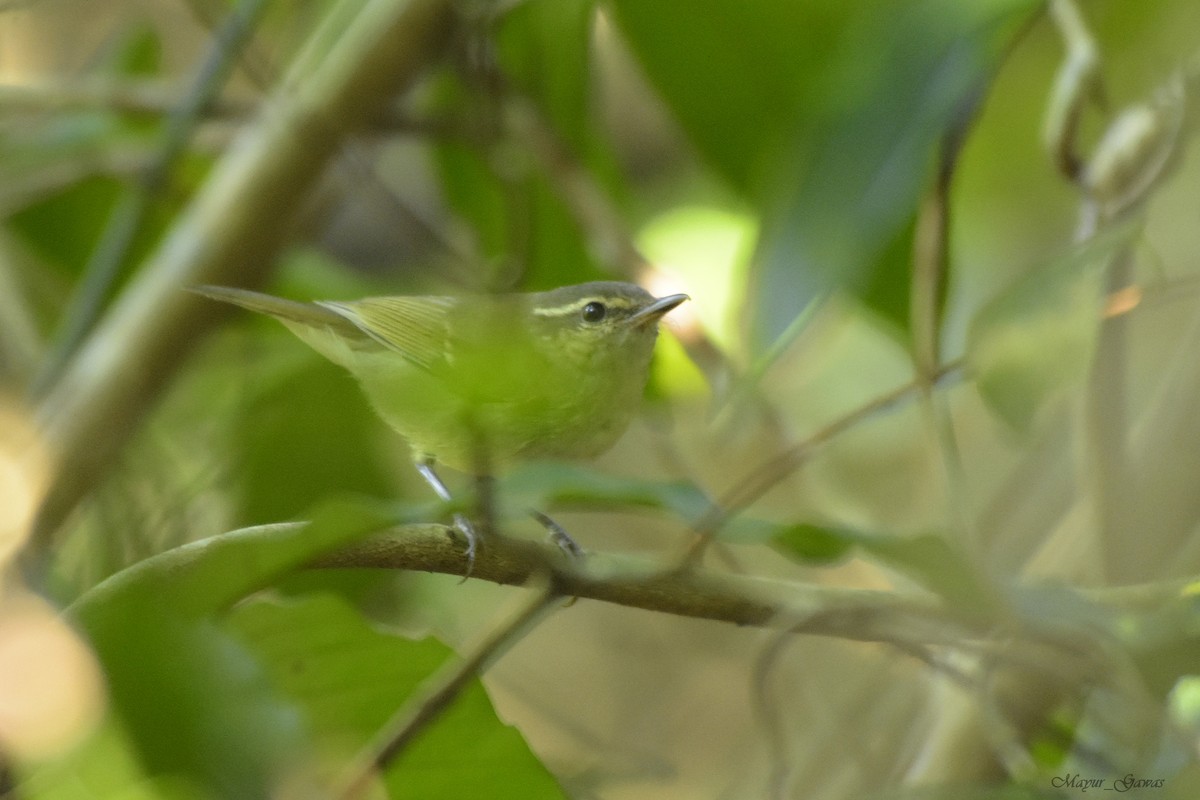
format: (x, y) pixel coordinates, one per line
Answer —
(478, 382)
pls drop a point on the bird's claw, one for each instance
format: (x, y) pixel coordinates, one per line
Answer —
(465, 527)
(559, 535)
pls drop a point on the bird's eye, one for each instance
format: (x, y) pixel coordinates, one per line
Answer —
(594, 312)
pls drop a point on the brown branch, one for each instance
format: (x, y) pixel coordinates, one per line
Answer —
(857, 614)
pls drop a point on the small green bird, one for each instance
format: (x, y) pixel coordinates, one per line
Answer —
(479, 382)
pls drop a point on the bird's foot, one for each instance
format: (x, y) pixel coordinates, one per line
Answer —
(559, 536)
(464, 526)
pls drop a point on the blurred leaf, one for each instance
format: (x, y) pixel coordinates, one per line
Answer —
(737, 103)
(194, 701)
(307, 432)
(545, 48)
(138, 54)
(105, 766)
(935, 563)
(829, 123)
(812, 544)
(554, 249)
(474, 193)
(64, 224)
(840, 215)
(547, 485)
(709, 247)
(1050, 747)
(1034, 341)
(1165, 643)
(206, 576)
(350, 679)
(497, 185)
(519, 222)
(929, 559)
(63, 227)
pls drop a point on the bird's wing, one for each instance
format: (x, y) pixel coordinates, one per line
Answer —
(415, 327)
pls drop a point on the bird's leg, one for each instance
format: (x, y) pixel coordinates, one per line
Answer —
(485, 504)
(558, 535)
(425, 467)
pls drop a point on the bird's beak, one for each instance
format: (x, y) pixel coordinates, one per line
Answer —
(654, 311)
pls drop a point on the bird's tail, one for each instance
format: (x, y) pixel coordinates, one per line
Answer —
(287, 311)
(327, 332)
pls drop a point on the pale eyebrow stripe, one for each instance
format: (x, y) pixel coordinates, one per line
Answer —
(617, 302)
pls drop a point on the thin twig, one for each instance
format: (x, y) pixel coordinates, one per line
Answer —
(931, 263)
(767, 475)
(769, 713)
(441, 691)
(1137, 150)
(1076, 85)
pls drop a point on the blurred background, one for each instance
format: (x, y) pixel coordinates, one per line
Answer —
(984, 214)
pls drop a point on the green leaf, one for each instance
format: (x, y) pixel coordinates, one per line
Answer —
(207, 576)
(737, 102)
(196, 703)
(1165, 643)
(193, 700)
(812, 544)
(935, 563)
(307, 431)
(547, 485)
(104, 766)
(840, 215)
(545, 47)
(930, 559)
(828, 123)
(350, 679)
(139, 54)
(1034, 341)
(63, 227)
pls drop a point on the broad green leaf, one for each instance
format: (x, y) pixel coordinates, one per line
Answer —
(828, 123)
(736, 75)
(194, 701)
(840, 215)
(1034, 341)
(349, 679)
(206, 576)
